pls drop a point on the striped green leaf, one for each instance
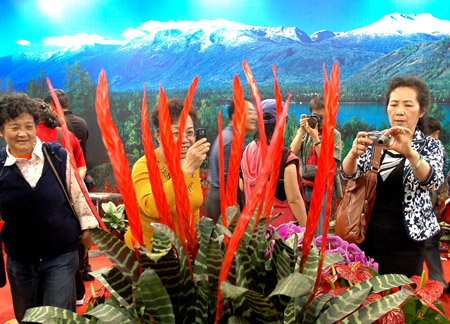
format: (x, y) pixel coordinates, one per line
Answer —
(248, 232)
(262, 309)
(45, 313)
(375, 310)
(237, 320)
(316, 307)
(186, 310)
(243, 267)
(312, 262)
(345, 303)
(203, 303)
(156, 299)
(293, 285)
(387, 281)
(117, 252)
(112, 315)
(206, 226)
(141, 311)
(257, 247)
(282, 259)
(214, 257)
(116, 283)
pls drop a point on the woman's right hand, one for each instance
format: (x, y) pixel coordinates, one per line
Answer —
(195, 156)
(360, 144)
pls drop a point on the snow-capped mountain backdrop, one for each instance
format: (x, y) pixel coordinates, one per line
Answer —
(174, 52)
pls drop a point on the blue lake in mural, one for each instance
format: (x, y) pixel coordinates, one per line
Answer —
(371, 112)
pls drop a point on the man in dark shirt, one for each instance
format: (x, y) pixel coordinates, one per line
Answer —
(213, 197)
(75, 124)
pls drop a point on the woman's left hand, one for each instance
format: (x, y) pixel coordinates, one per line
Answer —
(401, 139)
(87, 242)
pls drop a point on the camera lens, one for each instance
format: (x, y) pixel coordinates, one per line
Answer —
(312, 122)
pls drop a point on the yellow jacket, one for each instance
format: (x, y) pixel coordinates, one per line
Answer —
(146, 201)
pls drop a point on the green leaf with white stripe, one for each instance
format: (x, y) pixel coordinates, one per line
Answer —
(282, 259)
(206, 226)
(257, 247)
(112, 315)
(45, 313)
(117, 252)
(214, 258)
(237, 320)
(387, 281)
(116, 283)
(316, 307)
(375, 310)
(156, 299)
(293, 285)
(262, 309)
(203, 303)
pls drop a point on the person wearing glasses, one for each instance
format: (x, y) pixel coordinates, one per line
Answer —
(193, 153)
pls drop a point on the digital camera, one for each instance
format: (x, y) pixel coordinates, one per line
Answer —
(313, 120)
(379, 139)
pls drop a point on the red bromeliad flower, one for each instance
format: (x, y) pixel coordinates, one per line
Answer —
(428, 291)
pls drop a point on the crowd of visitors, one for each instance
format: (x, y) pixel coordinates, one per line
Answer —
(42, 233)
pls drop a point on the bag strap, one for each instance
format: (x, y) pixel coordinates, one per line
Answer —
(58, 178)
(376, 159)
(58, 136)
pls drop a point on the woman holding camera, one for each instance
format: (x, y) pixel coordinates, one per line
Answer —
(411, 165)
(193, 153)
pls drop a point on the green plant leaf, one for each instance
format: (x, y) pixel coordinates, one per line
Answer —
(316, 307)
(282, 259)
(116, 283)
(237, 320)
(206, 226)
(387, 281)
(312, 262)
(156, 299)
(44, 313)
(262, 309)
(345, 303)
(117, 252)
(186, 287)
(203, 303)
(214, 257)
(110, 314)
(375, 310)
(293, 285)
(256, 248)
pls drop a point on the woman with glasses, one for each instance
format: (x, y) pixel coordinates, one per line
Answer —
(193, 153)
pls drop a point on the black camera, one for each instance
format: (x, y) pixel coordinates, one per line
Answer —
(379, 139)
(200, 133)
(313, 120)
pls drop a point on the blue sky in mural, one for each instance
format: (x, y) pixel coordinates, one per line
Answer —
(37, 25)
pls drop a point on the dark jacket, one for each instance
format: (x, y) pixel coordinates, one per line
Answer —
(39, 224)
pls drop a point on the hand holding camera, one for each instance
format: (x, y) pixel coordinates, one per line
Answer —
(379, 139)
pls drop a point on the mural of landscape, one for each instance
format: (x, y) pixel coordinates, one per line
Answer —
(174, 52)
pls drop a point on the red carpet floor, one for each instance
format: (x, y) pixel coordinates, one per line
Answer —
(7, 312)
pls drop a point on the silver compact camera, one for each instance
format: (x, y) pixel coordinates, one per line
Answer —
(379, 139)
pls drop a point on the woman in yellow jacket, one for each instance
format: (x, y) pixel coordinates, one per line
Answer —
(192, 155)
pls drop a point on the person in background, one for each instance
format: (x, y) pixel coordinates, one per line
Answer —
(49, 130)
(288, 198)
(192, 156)
(213, 210)
(410, 167)
(75, 124)
(432, 128)
(40, 232)
(306, 144)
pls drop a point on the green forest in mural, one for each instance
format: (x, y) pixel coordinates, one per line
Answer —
(126, 110)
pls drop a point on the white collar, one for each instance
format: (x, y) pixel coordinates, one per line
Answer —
(37, 152)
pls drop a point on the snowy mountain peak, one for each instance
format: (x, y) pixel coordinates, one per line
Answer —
(400, 24)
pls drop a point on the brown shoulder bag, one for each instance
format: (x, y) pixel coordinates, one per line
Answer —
(355, 208)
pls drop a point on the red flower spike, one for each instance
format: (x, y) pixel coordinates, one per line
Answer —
(431, 292)
(183, 206)
(237, 142)
(257, 100)
(65, 135)
(325, 169)
(221, 172)
(119, 161)
(249, 208)
(152, 165)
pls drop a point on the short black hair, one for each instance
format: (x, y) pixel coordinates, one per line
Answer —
(175, 109)
(62, 97)
(231, 108)
(14, 104)
(430, 125)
